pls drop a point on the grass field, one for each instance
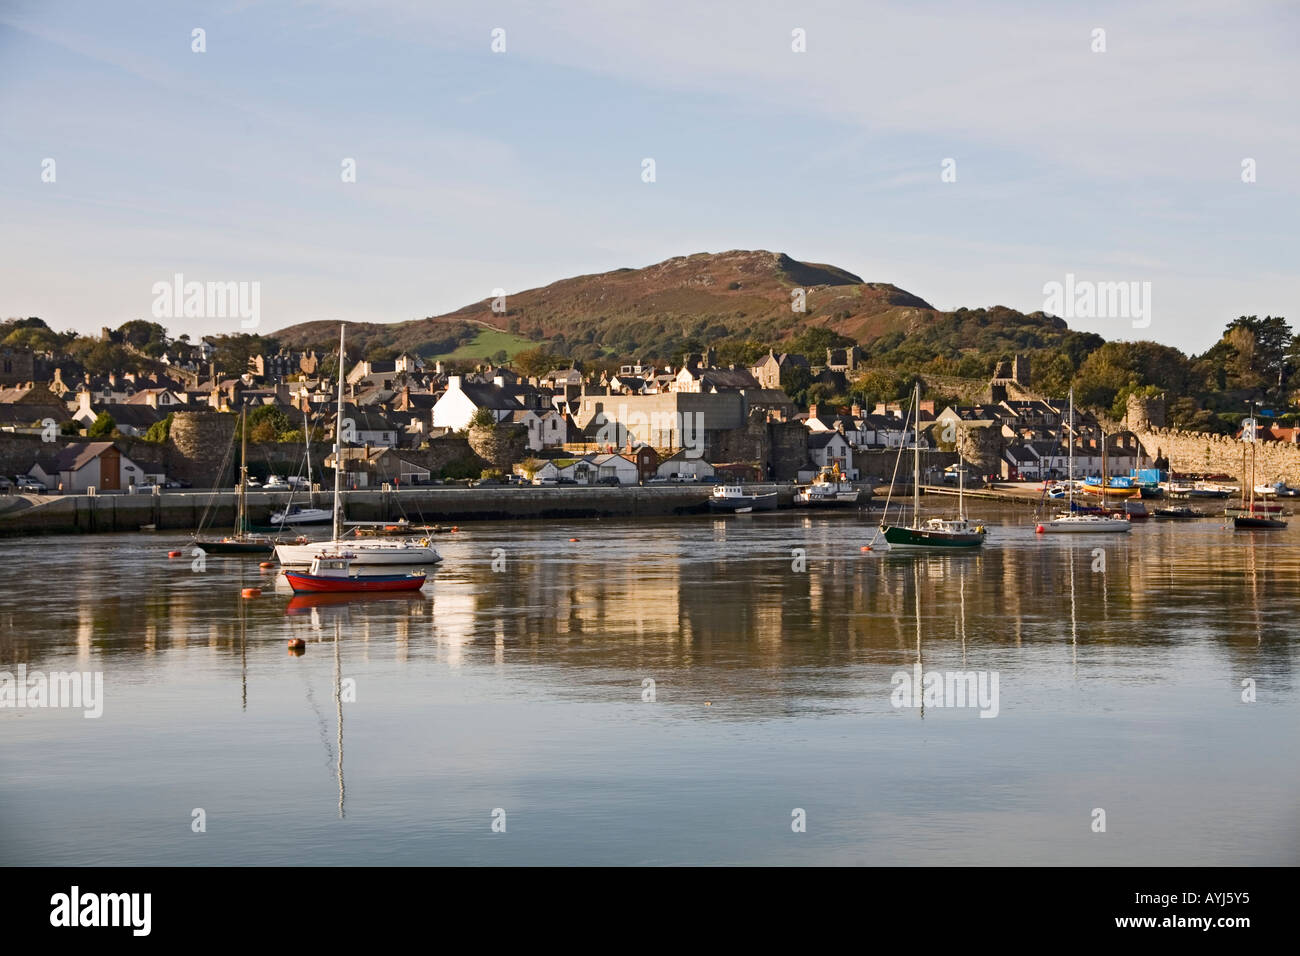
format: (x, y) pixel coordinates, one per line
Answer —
(486, 344)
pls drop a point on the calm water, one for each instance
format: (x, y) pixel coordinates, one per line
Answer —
(521, 688)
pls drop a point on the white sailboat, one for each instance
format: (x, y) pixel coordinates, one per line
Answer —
(302, 514)
(1070, 521)
(367, 551)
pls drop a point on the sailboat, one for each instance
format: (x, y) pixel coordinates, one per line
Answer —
(363, 552)
(242, 541)
(1254, 519)
(959, 532)
(303, 514)
(1071, 521)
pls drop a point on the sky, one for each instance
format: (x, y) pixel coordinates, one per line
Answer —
(477, 170)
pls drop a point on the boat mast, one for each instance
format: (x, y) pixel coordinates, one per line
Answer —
(338, 448)
(1251, 512)
(243, 475)
(306, 435)
(1070, 466)
(916, 456)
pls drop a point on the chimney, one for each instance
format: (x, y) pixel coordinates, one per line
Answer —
(499, 381)
(856, 410)
(453, 383)
(812, 411)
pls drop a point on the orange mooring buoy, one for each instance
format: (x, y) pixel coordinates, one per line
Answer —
(455, 529)
(267, 564)
(1038, 530)
(865, 547)
(173, 554)
(573, 539)
(297, 645)
(251, 592)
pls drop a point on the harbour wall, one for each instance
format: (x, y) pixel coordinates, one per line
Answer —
(73, 514)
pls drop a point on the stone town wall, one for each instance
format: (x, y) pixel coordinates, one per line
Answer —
(1221, 454)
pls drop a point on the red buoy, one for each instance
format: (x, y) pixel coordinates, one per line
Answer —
(297, 645)
(173, 554)
(267, 564)
(573, 539)
(1038, 530)
(251, 592)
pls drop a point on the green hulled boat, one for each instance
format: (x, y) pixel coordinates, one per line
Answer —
(959, 532)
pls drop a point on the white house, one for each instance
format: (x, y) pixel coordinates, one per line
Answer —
(457, 406)
(831, 448)
(616, 466)
(546, 428)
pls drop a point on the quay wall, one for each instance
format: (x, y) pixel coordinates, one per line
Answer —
(71, 514)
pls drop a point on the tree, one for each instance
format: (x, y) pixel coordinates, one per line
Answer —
(267, 423)
(160, 430)
(102, 427)
(483, 418)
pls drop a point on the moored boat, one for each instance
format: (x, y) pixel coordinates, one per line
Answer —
(734, 499)
(949, 533)
(830, 489)
(1176, 513)
(1254, 516)
(301, 515)
(374, 551)
(1075, 521)
(332, 572)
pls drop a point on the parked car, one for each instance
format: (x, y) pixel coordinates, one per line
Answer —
(482, 482)
(609, 480)
(656, 480)
(176, 483)
(30, 485)
(546, 481)
(565, 480)
(6, 486)
(707, 479)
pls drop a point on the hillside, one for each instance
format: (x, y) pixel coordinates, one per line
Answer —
(691, 301)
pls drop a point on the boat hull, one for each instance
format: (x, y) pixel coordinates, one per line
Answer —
(1246, 522)
(1075, 525)
(366, 553)
(766, 502)
(307, 516)
(303, 583)
(899, 537)
(235, 547)
(842, 499)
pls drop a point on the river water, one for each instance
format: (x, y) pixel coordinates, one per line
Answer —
(506, 715)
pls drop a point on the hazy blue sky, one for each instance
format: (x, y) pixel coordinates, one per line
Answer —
(478, 170)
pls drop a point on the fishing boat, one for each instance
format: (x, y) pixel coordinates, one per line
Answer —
(1254, 519)
(1072, 521)
(734, 499)
(830, 489)
(959, 532)
(374, 551)
(1176, 513)
(332, 573)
